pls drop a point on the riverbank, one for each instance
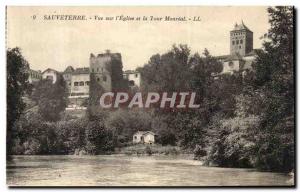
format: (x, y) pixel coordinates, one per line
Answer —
(145, 149)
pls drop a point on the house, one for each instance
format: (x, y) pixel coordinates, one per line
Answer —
(50, 74)
(144, 137)
(67, 75)
(133, 77)
(79, 90)
(80, 81)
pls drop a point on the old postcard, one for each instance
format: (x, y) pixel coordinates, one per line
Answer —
(150, 96)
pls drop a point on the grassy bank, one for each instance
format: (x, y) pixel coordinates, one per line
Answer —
(146, 149)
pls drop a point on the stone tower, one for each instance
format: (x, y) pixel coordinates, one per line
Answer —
(241, 40)
(100, 69)
(106, 75)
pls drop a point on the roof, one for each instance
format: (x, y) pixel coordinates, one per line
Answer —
(69, 69)
(83, 70)
(49, 69)
(144, 133)
(253, 52)
(241, 26)
(235, 56)
(34, 71)
(222, 57)
(130, 72)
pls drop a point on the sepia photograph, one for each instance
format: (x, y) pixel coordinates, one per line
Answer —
(150, 96)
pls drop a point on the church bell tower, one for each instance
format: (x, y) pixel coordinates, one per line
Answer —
(241, 40)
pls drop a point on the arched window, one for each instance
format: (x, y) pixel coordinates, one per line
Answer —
(230, 64)
(81, 83)
(104, 78)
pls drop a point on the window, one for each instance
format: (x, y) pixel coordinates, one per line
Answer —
(136, 75)
(69, 84)
(98, 79)
(93, 70)
(75, 83)
(240, 47)
(135, 137)
(81, 83)
(97, 69)
(131, 83)
(87, 83)
(241, 41)
(104, 78)
(232, 42)
(50, 77)
(230, 64)
(237, 41)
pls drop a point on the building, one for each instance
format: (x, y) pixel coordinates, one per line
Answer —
(106, 75)
(51, 74)
(147, 137)
(34, 76)
(79, 89)
(80, 81)
(100, 68)
(106, 70)
(133, 77)
(67, 75)
(242, 54)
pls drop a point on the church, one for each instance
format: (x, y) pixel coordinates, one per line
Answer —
(242, 54)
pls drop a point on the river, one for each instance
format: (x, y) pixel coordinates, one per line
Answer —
(122, 170)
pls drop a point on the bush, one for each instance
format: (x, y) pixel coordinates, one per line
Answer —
(148, 150)
(99, 139)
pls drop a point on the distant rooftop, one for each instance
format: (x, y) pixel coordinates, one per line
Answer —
(144, 133)
(83, 70)
(241, 26)
(130, 72)
(69, 69)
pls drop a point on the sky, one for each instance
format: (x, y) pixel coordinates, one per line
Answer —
(57, 44)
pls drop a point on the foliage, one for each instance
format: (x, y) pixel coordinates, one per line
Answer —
(167, 72)
(51, 98)
(275, 79)
(99, 139)
(17, 82)
(124, 123)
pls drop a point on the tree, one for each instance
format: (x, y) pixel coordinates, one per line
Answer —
(51, 98)
(99, 139)
(125, 123)
(232, 140)
(274, 77)
(17, 82)
(203, 73)
(167, 72)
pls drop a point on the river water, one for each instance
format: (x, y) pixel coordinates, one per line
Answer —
(122, 170)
